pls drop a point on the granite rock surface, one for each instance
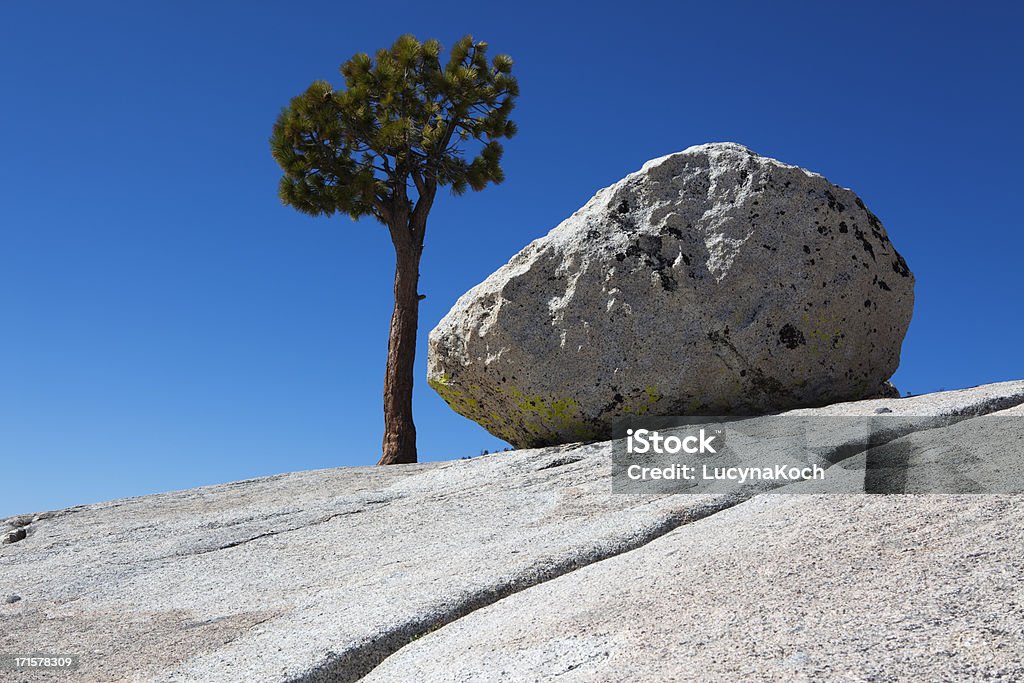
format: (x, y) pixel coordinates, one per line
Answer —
(525, 566)
(713, 281)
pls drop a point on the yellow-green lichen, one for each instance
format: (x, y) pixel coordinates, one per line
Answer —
(643, 405)
(541, 415)
(824, 331)
(459, 400)
(529, 419)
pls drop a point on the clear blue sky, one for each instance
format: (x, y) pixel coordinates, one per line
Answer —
(167, 323)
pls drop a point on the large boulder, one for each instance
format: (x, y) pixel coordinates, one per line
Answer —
(713, 281)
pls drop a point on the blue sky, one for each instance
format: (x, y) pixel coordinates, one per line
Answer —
(168, 324)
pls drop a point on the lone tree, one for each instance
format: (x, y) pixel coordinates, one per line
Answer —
(381, 147)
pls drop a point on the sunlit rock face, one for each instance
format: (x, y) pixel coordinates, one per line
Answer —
(712, 281)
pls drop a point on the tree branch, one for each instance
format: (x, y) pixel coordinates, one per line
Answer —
(417, 178)
(382, 210)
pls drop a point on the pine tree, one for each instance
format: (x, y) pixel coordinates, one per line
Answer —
(400, 129)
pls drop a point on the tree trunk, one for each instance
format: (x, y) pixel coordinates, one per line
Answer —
(399, 430)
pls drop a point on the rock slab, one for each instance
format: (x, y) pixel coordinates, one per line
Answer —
(711, 282)
(334, 575)
(781, 588)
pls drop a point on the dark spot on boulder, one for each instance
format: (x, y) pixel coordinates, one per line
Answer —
(675, 232)
(843, 228)
(833, 203)
(649, 244)
(899, 266)
(867, 303)
(807, 249)
(873, 219)
(620, 256)
(883, 286)
(11, 599)
(768, 386)
(648, 249)
(616, 401)
(790, 337)
(623, 207)
(859, 234)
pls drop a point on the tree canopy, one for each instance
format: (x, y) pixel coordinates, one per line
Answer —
(401, 123)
